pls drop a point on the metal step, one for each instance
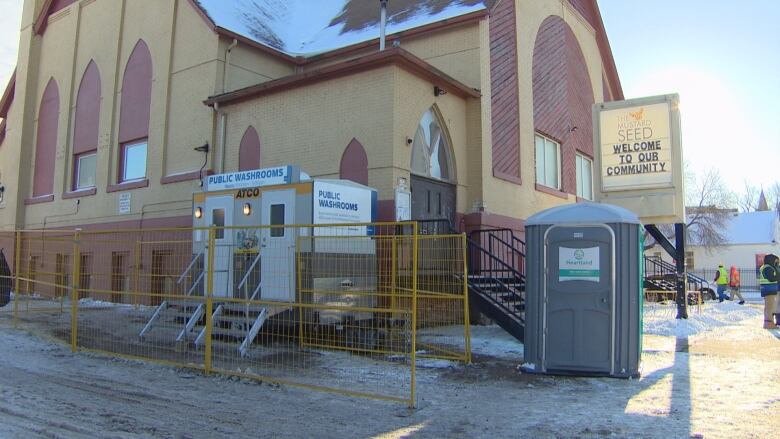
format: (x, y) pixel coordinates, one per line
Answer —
(232, 308)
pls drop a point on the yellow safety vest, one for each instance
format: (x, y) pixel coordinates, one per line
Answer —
(761, 279)
(723, 276)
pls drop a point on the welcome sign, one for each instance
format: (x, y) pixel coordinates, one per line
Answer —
(578, 264)
(636, 147)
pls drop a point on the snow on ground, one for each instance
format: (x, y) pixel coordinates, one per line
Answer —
(658, 319)
(721, 382)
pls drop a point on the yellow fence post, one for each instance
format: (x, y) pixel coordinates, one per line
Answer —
(136, 267)
(209, 302)
(414, 314)
(17, 283)
(466, 317)
(74, 292)
(299, 292)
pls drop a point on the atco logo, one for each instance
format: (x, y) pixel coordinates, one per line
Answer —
(579, 254)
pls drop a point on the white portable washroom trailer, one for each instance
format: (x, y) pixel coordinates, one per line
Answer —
(281, 196)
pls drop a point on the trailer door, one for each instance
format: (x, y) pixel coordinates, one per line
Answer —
(277, 246)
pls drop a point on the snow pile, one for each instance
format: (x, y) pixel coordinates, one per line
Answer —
(89, 302)
(297, 28)
(714, 315)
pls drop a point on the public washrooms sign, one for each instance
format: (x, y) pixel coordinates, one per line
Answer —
(247, 179)
(578, 264)
(636, 147)
(342, 204)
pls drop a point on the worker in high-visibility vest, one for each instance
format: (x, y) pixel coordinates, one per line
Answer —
(768, 278)
(722, 280)
(734, 285)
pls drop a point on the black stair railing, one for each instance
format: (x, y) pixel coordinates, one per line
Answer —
(503, 244)
(656, 268)
(495, 279)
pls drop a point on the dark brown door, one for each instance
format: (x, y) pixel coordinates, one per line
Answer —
(162, 273)
(432, 199)
(118, 276)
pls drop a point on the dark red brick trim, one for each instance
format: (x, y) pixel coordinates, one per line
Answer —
(550, 191)
(507, 177)
(504, 92)
(129, 185)
(79, 193)
(395, 56)
(8, 96)
(187, 176)
(39, 200)
(481, 220)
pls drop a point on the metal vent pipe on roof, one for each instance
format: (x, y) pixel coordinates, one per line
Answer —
(382, 23)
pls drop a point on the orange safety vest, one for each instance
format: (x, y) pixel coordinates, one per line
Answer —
(734, 277)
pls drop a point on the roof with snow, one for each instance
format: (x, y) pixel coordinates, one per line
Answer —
(754, 228)
(306, 28)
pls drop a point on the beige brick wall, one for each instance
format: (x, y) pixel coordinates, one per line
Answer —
(312, 125)
(185, 56)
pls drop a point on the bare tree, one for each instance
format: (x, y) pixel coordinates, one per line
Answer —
(773, 196)
(748, 199)
(708, 211)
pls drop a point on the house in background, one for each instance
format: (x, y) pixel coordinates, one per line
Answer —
(749, 236)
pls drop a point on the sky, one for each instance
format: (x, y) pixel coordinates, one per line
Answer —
(721, 56)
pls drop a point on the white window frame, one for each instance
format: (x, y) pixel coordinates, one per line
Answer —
(542, 179)
(77, 171)
(125, 148)
(581, 161)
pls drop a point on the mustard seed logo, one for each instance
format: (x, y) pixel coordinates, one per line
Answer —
(579, 254)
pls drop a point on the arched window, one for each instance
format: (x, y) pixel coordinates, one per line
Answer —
(431, 150)
(249, 151)
(134, 114)
(85, 136)
(46, 141)
(354, 163)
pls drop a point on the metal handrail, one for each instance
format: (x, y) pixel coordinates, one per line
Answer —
(662, 268)
(248, 271)
(490, 256)
(189, 267)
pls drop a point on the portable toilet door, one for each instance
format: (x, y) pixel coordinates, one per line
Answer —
(219, 213)
(579, 299)
(277, 246)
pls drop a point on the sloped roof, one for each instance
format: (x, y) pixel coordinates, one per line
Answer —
(299, 28)
(753, 228)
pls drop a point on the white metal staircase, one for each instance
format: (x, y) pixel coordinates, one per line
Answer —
(234, 325)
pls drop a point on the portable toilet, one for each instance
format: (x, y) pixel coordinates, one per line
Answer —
(584, 291)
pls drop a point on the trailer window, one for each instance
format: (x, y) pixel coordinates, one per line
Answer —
(277, 218)
(218, 220)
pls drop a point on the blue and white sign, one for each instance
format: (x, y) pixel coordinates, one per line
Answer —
(254, 178)
(342, 204)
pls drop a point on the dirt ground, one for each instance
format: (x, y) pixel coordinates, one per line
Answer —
(721, 381)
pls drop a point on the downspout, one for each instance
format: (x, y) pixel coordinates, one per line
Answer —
(221, 135)
(221, 116)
